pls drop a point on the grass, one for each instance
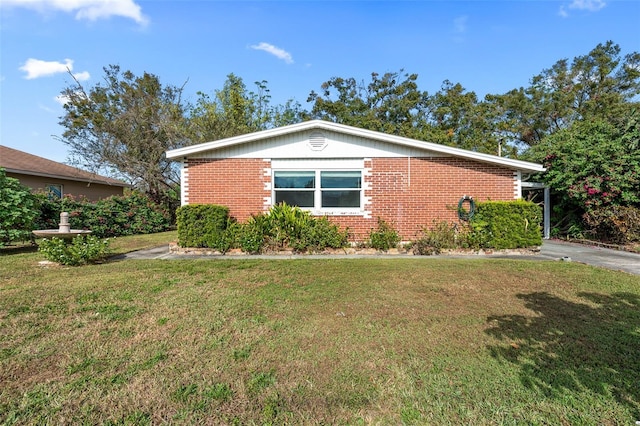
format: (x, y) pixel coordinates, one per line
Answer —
(332, 341)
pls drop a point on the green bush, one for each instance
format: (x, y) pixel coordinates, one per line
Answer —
(18, 210)
(319, 234)
(441, 236)
(79, 251)
(384, 237)
(129, 214)
(203, 225)
(286, 226)
(506, 225)
(253, 234)
(282, 227)
(615, 224)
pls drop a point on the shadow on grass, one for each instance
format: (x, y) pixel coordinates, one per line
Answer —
(573, 347)
(24, 248)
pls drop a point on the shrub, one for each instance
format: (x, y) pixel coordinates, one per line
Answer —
(384, 237)
(203, 225)
(18, 210)
(129, 214)
(81, 250)
(252, 234)
(320, 234)
(286, 226)
(615, 224)
(441, 236)
(283, 226)
(506, 225)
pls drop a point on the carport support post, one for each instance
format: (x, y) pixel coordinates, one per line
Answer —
(546, 214)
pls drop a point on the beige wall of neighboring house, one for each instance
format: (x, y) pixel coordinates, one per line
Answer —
(92, 191)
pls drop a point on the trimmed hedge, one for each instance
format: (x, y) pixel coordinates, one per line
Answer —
(507, 224)
(202, 225)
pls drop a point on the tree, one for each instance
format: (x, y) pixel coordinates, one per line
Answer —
(236, 111)
(390, 104)
(123, 127)
(18, 210)
(394, 104)
(593, 86)
(592, 165)
(457, 119)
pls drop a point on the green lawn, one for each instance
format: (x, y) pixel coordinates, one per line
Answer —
(332, 341)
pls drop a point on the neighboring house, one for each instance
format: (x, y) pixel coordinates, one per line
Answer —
(351, 175)
(57, 179)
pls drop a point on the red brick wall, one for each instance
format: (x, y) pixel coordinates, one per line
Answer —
(236, 183)
(407, 193)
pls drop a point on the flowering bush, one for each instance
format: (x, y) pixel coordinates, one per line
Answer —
(593, 166)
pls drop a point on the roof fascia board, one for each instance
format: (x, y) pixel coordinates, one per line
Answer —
(354, 131)
(62, 177)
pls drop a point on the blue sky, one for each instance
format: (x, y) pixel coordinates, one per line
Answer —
(487, 46)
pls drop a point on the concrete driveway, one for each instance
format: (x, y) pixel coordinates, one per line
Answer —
(591, 255)
(551, 250)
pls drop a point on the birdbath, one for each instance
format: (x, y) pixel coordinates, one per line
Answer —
(64, 230)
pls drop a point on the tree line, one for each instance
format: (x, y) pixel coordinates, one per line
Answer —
(123, 125)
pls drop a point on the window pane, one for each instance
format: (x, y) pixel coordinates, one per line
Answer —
(340, 198)
(295, 198)
(54, 191)
(340, 179)
(294, 179)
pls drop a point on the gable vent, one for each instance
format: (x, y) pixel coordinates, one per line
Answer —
(317, 142)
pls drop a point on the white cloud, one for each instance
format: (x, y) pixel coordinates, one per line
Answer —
(82, 76)
(85, 9)
(460, 24)
(588, 5)
(460, 28)
(62, 99)
(36, 68)
(46, 108)
(275, 51)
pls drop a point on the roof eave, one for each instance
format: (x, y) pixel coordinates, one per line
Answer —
(63, 177)
(354, 131)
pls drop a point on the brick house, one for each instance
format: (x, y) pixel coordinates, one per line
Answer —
(351, 175)
(42, 174)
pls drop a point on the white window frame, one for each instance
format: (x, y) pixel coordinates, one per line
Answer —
(319, 166)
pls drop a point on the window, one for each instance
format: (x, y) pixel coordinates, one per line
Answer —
(54, 191)
(295, 188)
(340, 189)
(323, 190)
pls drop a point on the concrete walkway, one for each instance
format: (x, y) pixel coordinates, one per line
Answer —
(551, 250)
